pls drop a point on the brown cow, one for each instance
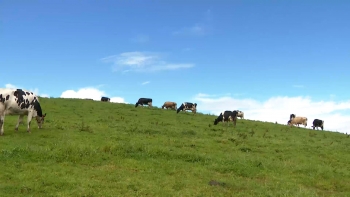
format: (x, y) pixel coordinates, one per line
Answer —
(298, 120)
(169, 104)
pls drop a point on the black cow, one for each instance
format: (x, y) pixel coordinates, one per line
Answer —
(187, 106)
(292, 116)
(227, 116)
(317, 123)
(105, 99)
(144, 101)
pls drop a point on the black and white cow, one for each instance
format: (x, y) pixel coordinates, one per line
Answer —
(317, 123)
(227, 116)
(105, 99)
(187, 106)
(20, 102)
(291, 116)
(144, 101)
(240, 114)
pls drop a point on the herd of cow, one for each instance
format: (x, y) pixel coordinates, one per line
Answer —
(26, 103)
(293, 120)
(225, 116)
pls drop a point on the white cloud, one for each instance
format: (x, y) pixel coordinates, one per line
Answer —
(118, 100)
(146, 82)
(335, 114)
(197, 29)
(10, 86)
(35, 90)
(141, 62)
(141, 38)
(90, 93)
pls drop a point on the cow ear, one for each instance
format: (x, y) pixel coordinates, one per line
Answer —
(44, 115)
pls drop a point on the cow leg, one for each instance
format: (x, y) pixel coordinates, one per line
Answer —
(2, 122)
(20, 120)
(29, 120)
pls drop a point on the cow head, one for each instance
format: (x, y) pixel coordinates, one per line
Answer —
(181, 108)
(40, 120)
(216, 121)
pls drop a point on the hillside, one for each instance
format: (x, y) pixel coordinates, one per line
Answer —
(92, 148)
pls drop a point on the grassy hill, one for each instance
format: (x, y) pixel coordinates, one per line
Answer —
(90, 148)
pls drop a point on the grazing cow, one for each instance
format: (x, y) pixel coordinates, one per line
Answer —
(20, 102)
(289, 122)
(298, 120)
(227, 116)
(105, 99)
(144, 101)
(187, 106)
(317, 123)
(240, 114)
(169, 104)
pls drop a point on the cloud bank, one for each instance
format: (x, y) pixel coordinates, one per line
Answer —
(35, 90)
(142, 62)
(335, 114)
(90, 93)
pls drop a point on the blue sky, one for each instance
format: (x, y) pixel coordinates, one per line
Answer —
(239, 54)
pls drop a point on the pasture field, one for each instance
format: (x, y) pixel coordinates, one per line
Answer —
(92, 148)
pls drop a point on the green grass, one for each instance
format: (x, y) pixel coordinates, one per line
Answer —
(90, 148)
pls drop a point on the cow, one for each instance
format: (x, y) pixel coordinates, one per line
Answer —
(317, 123)
(20, 102)
(227, 116)
(169, 104)
(144, 101)
(291, 116)
(240, 114)
(187, 106)
(298, 120)
(105, 99)
(289, 122)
